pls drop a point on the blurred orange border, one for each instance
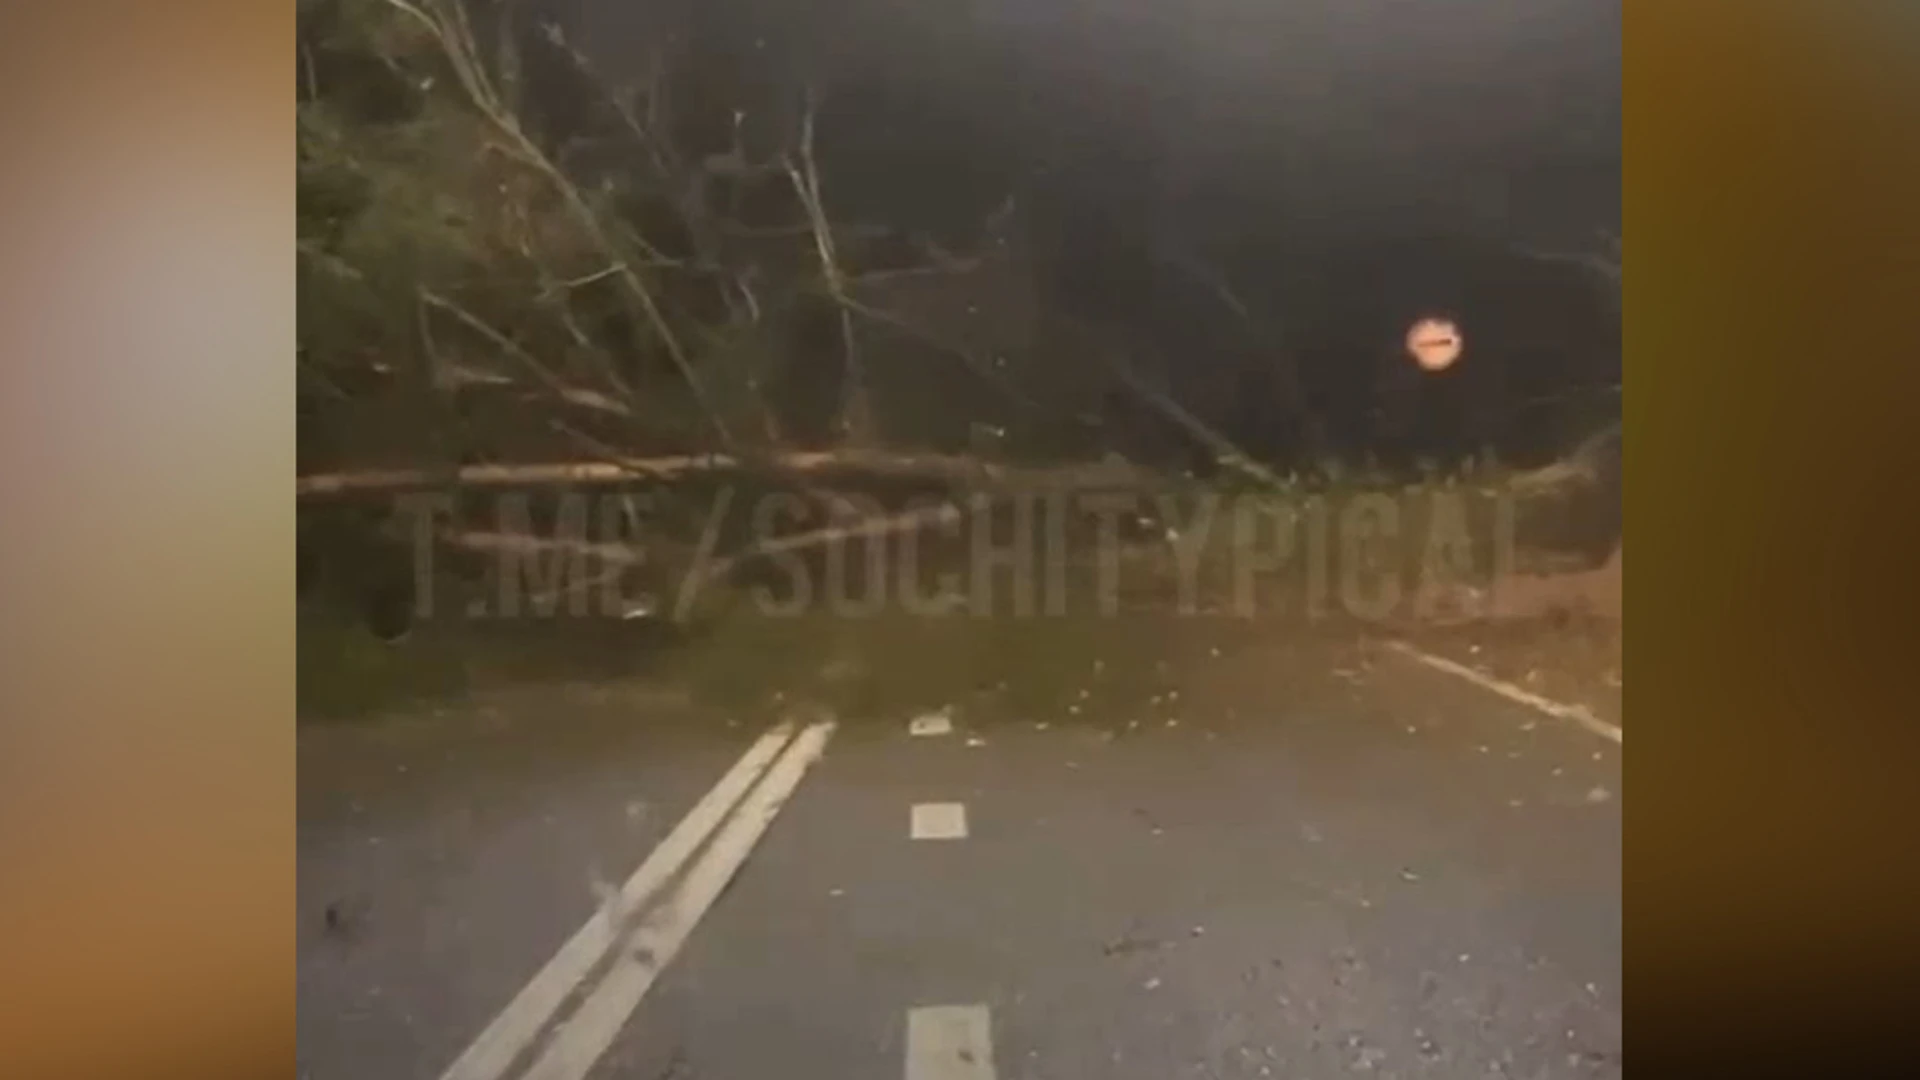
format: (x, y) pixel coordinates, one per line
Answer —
(147, 815)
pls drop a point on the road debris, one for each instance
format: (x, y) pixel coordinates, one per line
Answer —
(1127, 946)
(937, 722)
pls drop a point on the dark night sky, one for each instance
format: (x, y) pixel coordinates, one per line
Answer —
(1493, 114)
(1350, 163)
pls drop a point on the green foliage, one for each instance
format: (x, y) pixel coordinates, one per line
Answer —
(597, 261)
(437, 239)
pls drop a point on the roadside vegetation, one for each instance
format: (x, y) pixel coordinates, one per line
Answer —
(520, 273)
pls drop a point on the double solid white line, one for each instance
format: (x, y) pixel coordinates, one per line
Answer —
(641, 934)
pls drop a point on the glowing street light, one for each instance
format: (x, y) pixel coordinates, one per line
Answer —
(1434, 343)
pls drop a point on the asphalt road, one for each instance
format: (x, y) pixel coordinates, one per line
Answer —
(1297, 865)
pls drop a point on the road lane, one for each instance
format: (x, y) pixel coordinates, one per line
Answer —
(444, 859)
(1295, 862)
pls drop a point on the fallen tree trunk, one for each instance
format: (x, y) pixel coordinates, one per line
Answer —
(520, 543)
(627, 470)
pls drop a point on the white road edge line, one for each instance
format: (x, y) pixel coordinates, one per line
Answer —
(586, 1035)
(949, 1042)
(494, 1050)
(1575, 713)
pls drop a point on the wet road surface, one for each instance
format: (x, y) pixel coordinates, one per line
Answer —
(1290, 865)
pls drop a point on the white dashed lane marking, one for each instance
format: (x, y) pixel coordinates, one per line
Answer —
(939, 821)
(949, 1042)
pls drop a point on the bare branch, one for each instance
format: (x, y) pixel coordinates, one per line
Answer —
(332, 263)
(1604, 264)
(456, 40)
(642, 133)
(1225, 453)
(972, 362)
(578, 282)
(1294, 398)
(806, 183)
(570, 394)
